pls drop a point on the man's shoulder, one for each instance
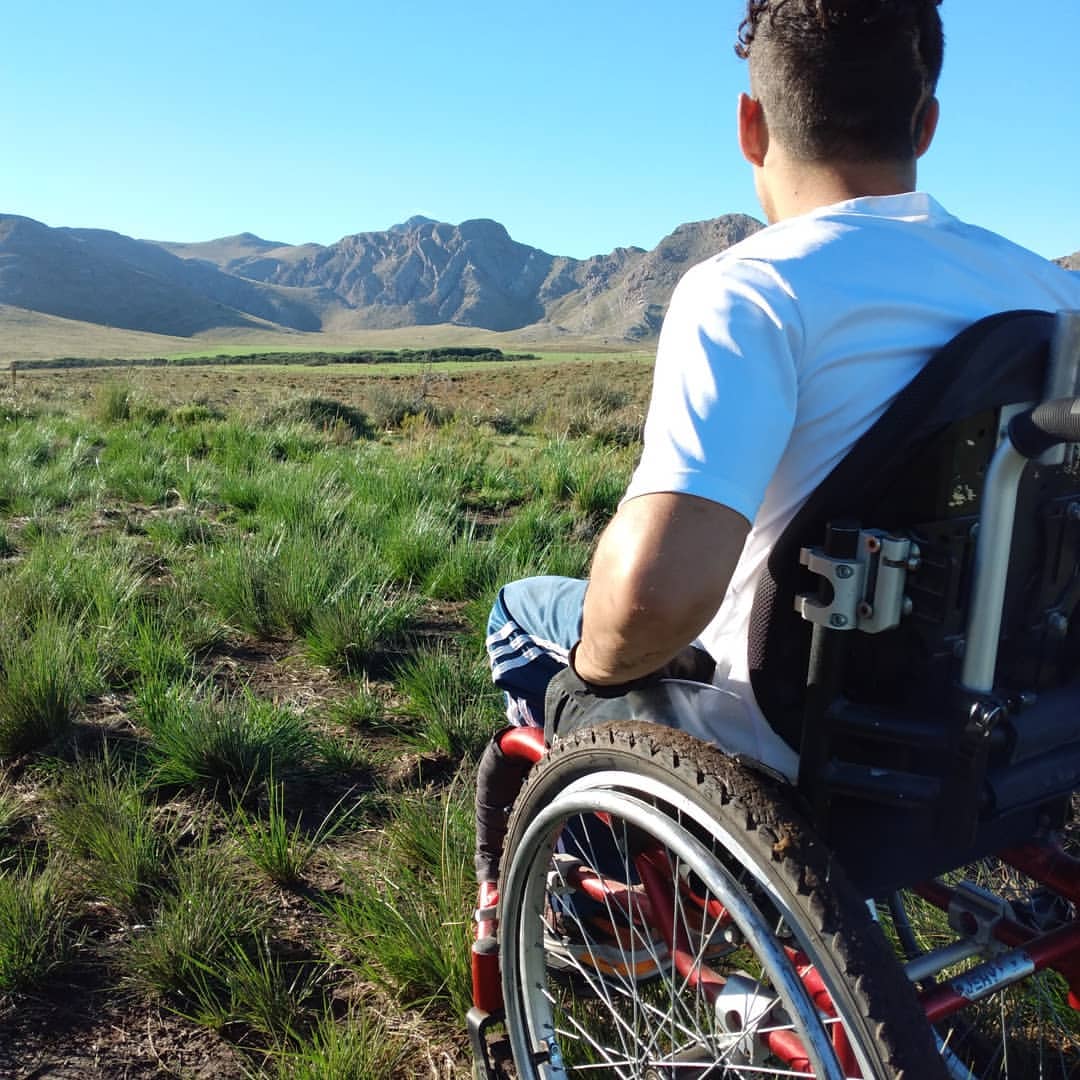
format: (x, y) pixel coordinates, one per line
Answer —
(887, 236)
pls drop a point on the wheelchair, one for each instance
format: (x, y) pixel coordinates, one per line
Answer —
(657, 907)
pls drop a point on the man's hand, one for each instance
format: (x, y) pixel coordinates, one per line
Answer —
(658, 577)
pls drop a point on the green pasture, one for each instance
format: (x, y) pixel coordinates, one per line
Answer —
(242, 693)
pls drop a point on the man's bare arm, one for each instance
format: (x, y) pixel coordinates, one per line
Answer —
(659, 574)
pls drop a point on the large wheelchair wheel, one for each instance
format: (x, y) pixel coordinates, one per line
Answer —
(665, 913)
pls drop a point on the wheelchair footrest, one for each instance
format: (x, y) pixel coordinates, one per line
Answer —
(491, 1053)
(888, 786)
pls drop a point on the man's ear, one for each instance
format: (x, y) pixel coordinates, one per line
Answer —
(753, 131)
(924, 135)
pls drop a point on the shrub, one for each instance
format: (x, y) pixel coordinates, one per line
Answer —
(390, 405)
(326, 415)
(196, 413)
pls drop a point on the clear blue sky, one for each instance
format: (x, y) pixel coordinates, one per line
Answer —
(580, 125)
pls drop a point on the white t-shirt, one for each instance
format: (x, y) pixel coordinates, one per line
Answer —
(777, 355)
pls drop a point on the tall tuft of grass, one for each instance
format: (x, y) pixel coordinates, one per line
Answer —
(191, 941)
(391, 405)
(148, 643)
(598, 486)
(363, 710)
(232, 743)
(406, 921)
(62, 575)
(35, 928)
(113, 402)
(269, 994)
(359, 1046)
(344, 755)
(358, 627)
(414, 543)
(100, 817)
(12, 811)
(540, 539)
(42, 677)
(250, 985)
(281, 852)
(236, 581)
(302, 578)
(455, 699)
(469, 568)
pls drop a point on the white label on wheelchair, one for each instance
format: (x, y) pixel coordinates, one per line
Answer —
(993, 975)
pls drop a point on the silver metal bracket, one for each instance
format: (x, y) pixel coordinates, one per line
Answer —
(868, 591)
(975, 911)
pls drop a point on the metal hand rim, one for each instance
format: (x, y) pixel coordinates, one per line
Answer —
(580, 798)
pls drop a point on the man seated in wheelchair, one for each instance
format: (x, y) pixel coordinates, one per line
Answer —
(852, 360)
(774, 358)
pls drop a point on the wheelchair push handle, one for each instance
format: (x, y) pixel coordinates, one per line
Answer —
(1036, 430)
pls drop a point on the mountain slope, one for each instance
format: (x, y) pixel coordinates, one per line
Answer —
(103, 277)
(418, 273)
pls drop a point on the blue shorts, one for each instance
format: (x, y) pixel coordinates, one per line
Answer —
(532, 627)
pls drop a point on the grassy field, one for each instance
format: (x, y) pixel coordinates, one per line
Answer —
(26, 334)
(242, 693)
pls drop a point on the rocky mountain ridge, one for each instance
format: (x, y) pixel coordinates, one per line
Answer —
(420, 272)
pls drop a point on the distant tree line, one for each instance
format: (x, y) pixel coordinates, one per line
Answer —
(447, 354)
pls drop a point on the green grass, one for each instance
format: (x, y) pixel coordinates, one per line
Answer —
(281, 851)
(406, 919)
(183, 956)
(12, 811)
(36, 933)
(219, 624)
(359, 1046)
(43, 674)
(113, 402)
(229, 744)
(454, 698)
(360, 627)
(248, 984)
(102, 820)
(361, 710)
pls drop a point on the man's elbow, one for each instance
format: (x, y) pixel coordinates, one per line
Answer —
(675, 603)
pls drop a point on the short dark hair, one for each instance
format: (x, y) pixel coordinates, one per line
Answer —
(843, 79)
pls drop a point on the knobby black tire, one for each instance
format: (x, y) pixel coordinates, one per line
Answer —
(874, 998)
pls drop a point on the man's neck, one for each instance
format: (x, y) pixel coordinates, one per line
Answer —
(792, 187)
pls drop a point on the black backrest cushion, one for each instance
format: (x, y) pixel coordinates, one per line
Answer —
(999, 360)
